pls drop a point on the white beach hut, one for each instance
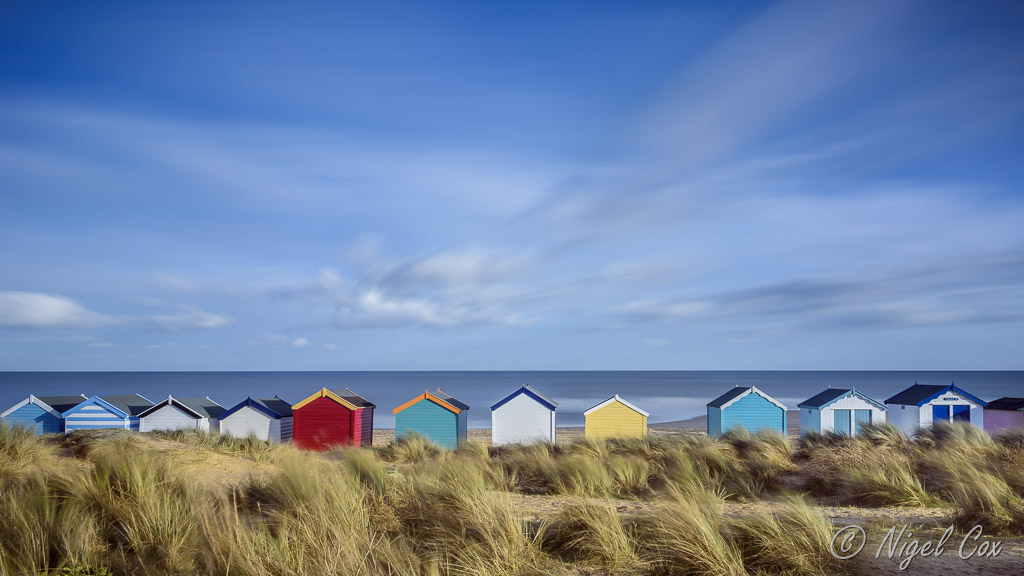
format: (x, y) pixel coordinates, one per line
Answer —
(523, 417)
(182, 414)
(264, 418)
(921, 405)
(840, 410)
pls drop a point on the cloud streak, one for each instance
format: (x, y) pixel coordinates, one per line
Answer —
(50, 311)
(986, 289)
(189, 318)
(38, 310)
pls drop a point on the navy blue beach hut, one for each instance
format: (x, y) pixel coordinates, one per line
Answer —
(116, 411)
(43, 414)
(745, 407)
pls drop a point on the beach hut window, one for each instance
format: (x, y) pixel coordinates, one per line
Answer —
(940, 413)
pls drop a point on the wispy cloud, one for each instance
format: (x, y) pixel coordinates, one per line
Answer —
(300, 343)
(189, 318)
(983, 289)
(102, 345)
(445, 290)
(268, 340)
(36, 310)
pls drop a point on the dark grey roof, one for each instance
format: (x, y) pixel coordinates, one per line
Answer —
(826, 397)
(1007, 403)
(276, 405)
(200, 407)
(204, 406)
(131, 404)
(916, 393)
(451, 400)
(823, 398)
(354, 398)
(543, 397)
(62, 403)
(724, 398)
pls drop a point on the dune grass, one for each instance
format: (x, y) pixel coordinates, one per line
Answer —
(595, 534)
(791, 539)
(118, 504)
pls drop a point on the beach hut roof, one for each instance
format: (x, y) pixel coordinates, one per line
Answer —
(127, 404)
(722, 400)
(734, 395)
(355, 399)
(196, 407)
(1006, 403)
(121, 405)
(440, 398)
(830, 395)
(55, 405)
(618, 399)
(206, 406)
(62, 403)
(272, 407)
(346, 398)
(452, 400)
(921, 394)
(526, 389)
(276, 405)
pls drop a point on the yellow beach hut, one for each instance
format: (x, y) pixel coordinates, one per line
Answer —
(615, 418)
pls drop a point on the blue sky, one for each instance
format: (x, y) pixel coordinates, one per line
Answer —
(397, 186)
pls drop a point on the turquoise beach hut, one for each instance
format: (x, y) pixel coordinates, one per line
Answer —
(437, 417)
(41, 413)
(745, 407)
(118, 411)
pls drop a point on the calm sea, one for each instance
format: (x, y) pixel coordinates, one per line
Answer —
(668, 396)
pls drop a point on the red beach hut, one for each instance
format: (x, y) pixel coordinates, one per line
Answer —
(332, 418)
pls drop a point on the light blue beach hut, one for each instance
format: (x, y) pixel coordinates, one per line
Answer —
(437, 417)
(840, 410)
(116, 411)
(745, 407)
(41, 413)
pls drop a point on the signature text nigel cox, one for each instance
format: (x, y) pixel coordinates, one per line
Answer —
(898, 543)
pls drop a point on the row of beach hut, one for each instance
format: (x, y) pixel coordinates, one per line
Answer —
(847, 410)
(341, 417)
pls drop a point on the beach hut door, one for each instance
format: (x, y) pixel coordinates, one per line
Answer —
(961, 413)
(940, 413)
(862, 418)
(842, 421)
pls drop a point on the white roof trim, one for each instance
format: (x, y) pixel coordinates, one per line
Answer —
(31, 399)
(172, 402)
(754, 390)
(15, 407)
(616, 398)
